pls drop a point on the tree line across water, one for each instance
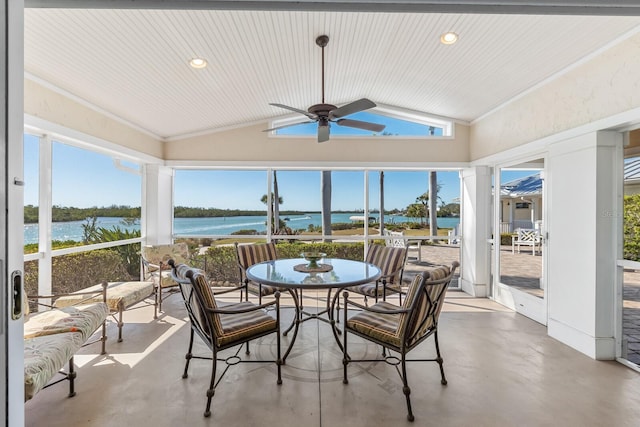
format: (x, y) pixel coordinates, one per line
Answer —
(65, 214)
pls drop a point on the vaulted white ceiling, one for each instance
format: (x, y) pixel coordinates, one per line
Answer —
(134, 63)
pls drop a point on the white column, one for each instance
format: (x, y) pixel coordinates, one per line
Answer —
(157, 205)
(44, 218)
(476, 225)
(584, 185)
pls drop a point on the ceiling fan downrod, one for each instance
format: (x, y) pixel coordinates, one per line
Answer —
(322, 41)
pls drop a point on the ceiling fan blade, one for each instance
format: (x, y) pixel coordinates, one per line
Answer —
(323, 133)
(353, 107)
(289, 125)
(296, 110)
(373, 127)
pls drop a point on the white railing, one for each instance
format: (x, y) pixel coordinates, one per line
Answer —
(84, 248)
(511, 227)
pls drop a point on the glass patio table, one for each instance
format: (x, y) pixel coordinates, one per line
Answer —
(296, 275)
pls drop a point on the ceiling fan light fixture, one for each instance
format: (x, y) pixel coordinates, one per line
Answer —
(198, 63)
(449, 38)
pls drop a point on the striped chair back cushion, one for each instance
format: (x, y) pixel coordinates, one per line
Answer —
(429, 299)
(249, 255)
(196, 307)
(388, 259)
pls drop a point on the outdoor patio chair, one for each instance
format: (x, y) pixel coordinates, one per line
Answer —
(248, 255)
(401, 329)
(154, 267)
(390, 260)
(224, 327)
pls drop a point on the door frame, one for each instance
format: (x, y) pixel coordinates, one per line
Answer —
(522, 302)
(12, 202)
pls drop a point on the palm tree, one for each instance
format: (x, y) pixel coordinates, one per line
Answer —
(264, 199)
(381, 203)
(325, 185)
(423, 199)
(430, 203)
(276, 206)
(433, 208)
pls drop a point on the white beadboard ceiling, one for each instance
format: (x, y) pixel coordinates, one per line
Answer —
(134, 63)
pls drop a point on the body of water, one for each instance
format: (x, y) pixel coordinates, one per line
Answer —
(72, 230)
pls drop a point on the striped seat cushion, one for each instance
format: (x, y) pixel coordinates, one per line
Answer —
(428, 297)
(383, 327)
(229, 328)
(370, 289)
(256, 289)
(236, 327)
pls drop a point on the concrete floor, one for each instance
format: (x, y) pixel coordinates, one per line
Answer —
(523, 271)
(502, 368)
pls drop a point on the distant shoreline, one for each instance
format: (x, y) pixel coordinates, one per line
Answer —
(62, 214)
(214, 226)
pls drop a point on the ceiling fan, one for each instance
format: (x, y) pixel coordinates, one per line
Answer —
(324, 114)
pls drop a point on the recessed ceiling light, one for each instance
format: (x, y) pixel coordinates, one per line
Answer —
(449, 38)
(198, 62)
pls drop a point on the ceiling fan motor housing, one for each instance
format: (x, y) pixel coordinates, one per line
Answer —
(321, 110)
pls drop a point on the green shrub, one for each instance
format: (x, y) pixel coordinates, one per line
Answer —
(245, 232)
(353, 251)
(220, 263)
(129, 254)
(345, 226)
(631, 227)
(505, 238)
(70, 273)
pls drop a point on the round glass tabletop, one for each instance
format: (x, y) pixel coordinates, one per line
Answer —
(343, 273)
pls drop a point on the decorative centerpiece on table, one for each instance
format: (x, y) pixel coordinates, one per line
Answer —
(313, 266)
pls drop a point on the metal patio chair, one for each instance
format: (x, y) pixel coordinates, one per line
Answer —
(224, 327)
(401, 329)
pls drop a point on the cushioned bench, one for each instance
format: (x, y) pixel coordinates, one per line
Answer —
(120, 297)
(52, 337)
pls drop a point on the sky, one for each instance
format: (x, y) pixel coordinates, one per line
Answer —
(83, 179)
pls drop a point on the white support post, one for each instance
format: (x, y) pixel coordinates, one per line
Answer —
(475, 252)
(157, 205)
(584, 175)
(44, 218)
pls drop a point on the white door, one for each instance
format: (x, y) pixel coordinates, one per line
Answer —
(519, 238)
(11, 219)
